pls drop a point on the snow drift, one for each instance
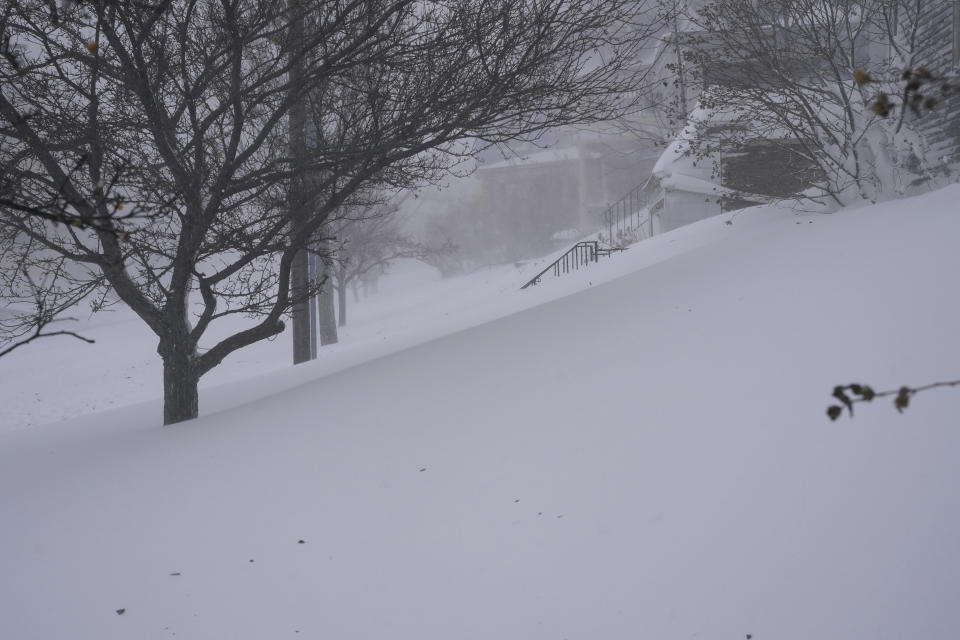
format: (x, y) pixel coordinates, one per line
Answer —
(643, 454)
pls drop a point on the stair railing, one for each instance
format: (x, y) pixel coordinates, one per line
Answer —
(579, 255)
(631, 217)
(627, 220)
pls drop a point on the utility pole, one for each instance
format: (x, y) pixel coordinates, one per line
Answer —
(299, 271)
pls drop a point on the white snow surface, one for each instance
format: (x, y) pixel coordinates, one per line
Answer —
(636, 450)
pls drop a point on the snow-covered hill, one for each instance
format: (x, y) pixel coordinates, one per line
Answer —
(638, 450)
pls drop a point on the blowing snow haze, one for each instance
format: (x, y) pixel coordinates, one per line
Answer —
(570, 286)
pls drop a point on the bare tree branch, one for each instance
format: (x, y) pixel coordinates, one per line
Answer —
(851, 394)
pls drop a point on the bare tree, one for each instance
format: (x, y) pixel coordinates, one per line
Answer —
(325, 256)
(366, 245)
(195, 101)
(791, 73)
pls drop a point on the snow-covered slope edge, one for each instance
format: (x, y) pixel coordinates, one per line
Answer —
(63, 378)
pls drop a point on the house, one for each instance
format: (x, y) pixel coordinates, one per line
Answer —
(716, 162)
(540, 199)
(939, 51)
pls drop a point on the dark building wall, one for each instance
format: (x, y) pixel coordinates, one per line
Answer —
(941, 128)
(773, 168)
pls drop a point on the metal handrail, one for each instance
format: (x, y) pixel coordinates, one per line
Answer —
(624, 217)
(579, 255)
(631, 214)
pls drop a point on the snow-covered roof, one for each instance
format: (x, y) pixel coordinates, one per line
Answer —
(681, 182)
(675, 164)
(674, 158)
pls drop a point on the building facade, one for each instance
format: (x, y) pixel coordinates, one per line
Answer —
(939, 51)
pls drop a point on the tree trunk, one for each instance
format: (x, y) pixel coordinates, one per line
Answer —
(180, 378)
(299, 287)
(326, 311)
(314, 320)
(681, 74)
(342, 299)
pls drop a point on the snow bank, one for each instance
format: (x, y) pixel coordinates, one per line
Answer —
(641, 453)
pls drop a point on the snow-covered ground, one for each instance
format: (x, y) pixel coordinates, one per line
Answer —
(637, 450)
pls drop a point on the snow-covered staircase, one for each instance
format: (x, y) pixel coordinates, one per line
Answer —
(628, 220)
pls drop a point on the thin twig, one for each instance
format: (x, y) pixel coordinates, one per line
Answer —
(38, 333)
(851, 394)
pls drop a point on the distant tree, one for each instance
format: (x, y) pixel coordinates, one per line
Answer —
(325, 258)
(458, 219)
(198, 97)
(366, 245)
(452, 261)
